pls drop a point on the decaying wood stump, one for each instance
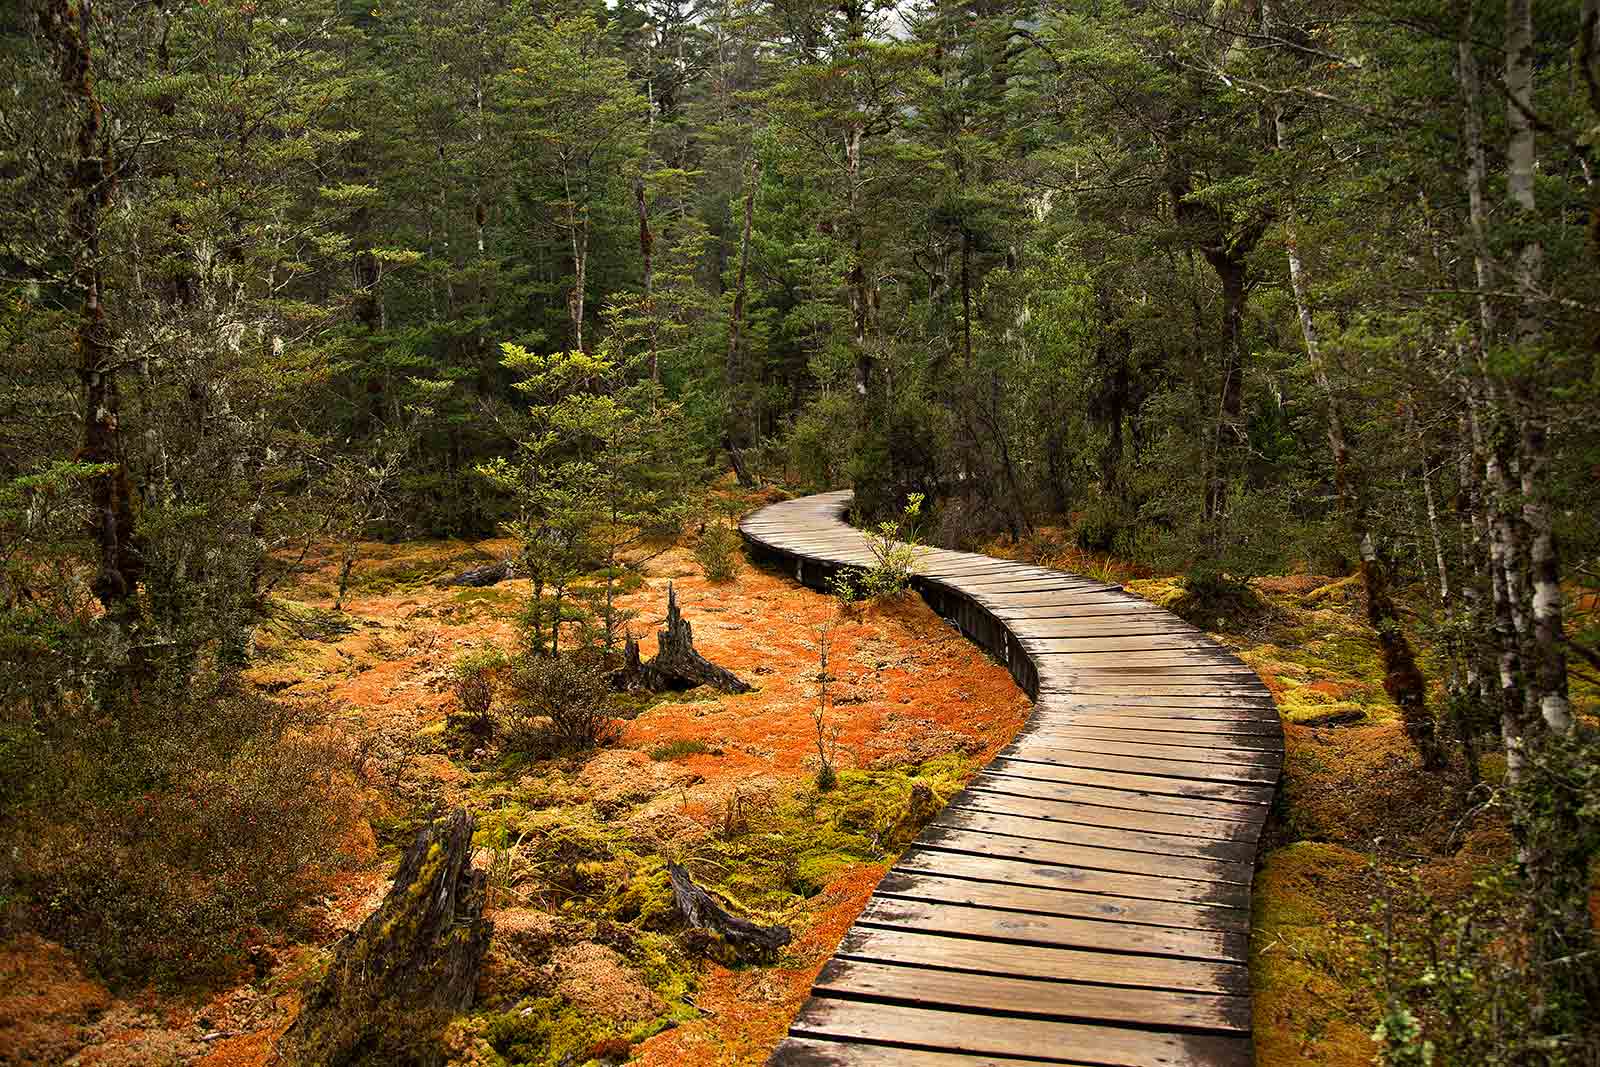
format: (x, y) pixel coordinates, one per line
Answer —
(676, 664)
(482, 575)
(410, 968)
(748, 941)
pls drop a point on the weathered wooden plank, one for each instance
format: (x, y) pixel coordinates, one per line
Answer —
(1206, 772)
(1203, 722)
(1034, 997)
(1151, 621)
(969, 832)
(1137, 783)
(1115, 644)
(1056, 696)
(941, 888)
(1124, 799)
(1061, 931)
(1151, 852)
(1036, 740)
(815, 1052)
(1058, 689)
(1022, 602)
(1141, 819)
(996, 867)
(833, 1017)
(1056, 704)
(1220, 739)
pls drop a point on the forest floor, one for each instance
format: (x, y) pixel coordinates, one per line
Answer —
(584, 964)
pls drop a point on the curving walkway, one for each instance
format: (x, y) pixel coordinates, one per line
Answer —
(1087, 899)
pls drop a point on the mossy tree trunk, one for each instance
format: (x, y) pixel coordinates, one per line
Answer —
(411, 967)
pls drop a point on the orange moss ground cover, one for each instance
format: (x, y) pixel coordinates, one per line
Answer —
(907, 689)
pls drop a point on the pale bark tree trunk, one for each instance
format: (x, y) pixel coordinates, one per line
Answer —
(578, 236)
(738, 431)
(856, 279)
(1403, 679)
(1547, 680)
(1486, 415)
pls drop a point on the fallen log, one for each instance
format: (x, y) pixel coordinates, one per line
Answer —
(482, 575)
(409, 969)
(676, 664)
(747, 941)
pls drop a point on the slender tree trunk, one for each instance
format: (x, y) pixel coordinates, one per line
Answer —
(647, 245)
(1403, 679)
(966, 294)
(1505, 586)
(1547, 676)
(578, 237)
(733, 371)
(856, 279)
(91, 181)
(580, 281)
(1230, 406)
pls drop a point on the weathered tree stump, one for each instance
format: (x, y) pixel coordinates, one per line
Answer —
(676, 664)
(482, 575)
(746, 940)
(410, 967)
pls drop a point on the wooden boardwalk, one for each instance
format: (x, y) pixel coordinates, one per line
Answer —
(1087, 899)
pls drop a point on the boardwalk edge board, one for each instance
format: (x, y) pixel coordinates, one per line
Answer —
(1086, 899)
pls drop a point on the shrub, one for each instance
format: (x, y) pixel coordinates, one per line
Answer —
(162, 846)
(894, 555)
(679, 747)
(717, 551)
(1457, 986)
(1104, 526)
(559, 704)
(1212, 598)
(472, 680)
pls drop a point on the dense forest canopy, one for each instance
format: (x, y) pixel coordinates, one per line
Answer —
(1237, 286)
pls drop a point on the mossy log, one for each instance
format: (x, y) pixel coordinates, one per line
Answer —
(409, 969)
(748, 941)
(482, 575)
(676, 664)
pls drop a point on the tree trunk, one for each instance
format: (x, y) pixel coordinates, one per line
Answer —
(410, 968)
(91, 181)
(1229, 426)
(647, 244)
(746, 940)
(856, 279)
(676, 664)
(738, 436)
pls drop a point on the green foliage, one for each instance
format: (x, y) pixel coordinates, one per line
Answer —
(559, 703)
(1456, 990)
(717, 550)
(160, 843)
(894, 555)
(472, 680)
(602, 464)
(680, 747)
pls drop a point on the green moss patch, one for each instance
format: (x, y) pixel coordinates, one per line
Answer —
(1309, 960)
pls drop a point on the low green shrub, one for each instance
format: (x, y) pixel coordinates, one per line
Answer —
(162, 846)
(679, 747)
(472, 680)
(717, 551)
(559, 704)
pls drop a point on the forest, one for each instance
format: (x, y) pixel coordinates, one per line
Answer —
(374, 375)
